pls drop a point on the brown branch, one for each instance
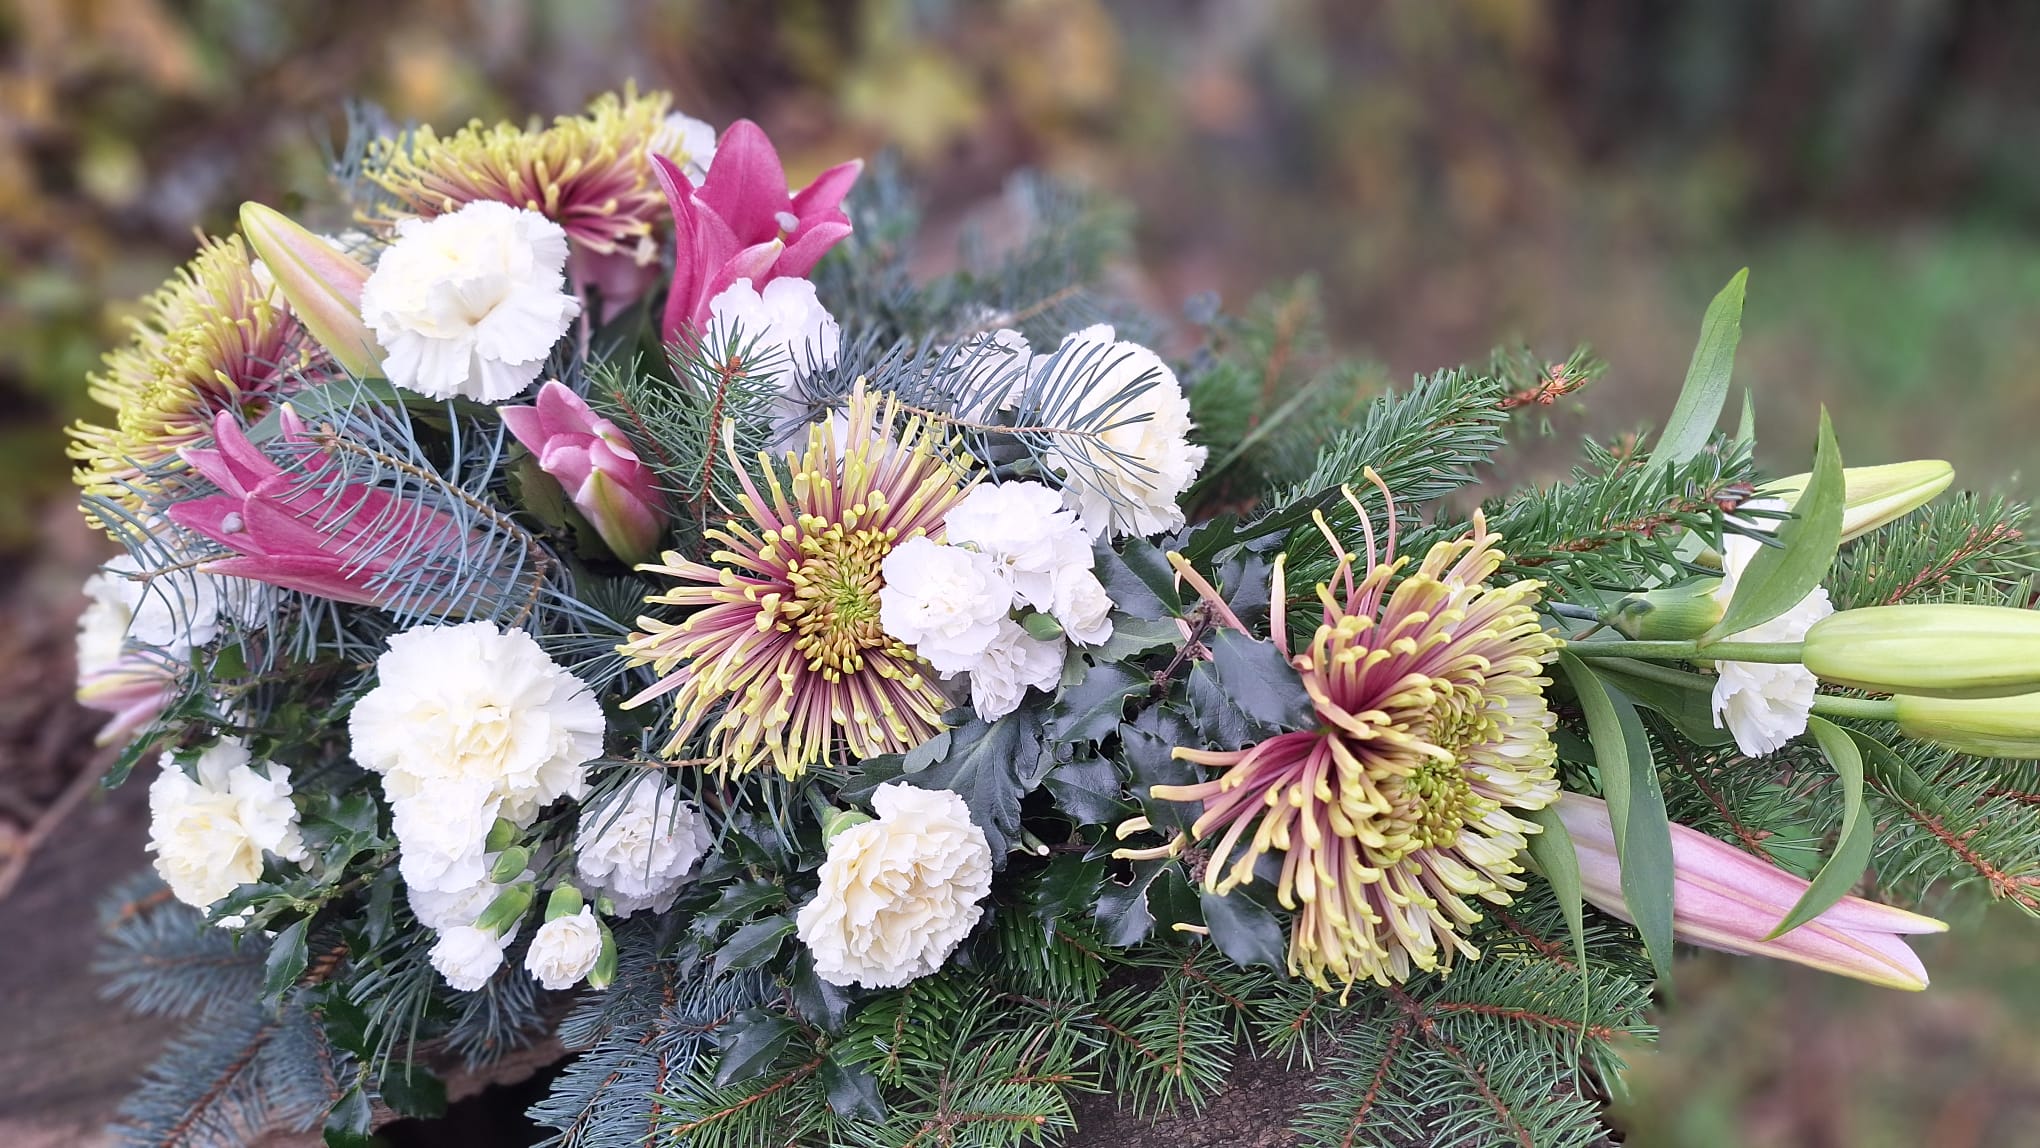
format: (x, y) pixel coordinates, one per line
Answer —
(1428, 1027)
(1548, 390)
(1551, 950)
(756, 1097)
(1396, 1037)
(1599, 1032)
(219, 1086)
(2002, 884)
(1287, 320)
(1976, 543)
(50, 819)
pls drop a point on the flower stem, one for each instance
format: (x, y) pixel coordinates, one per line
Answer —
(1872, 709)
(1648, 672)
(1783, 653)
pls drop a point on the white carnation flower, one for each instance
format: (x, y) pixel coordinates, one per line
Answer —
(442, 828)
(210, 830)
(564, 950)
(945, 601)
(1013, 661)
(1126, 479)
(443, 909)
(1764, 705)
(688, 142)
(473, 703)
(173, 612)
(467, 957)
(789, 332)
(993, 369)
(1082, 607)
(899, 893)
(641, 847)
(470, 303)
(1025, 528)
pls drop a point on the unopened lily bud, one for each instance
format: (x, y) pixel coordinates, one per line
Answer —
(1986, 727)
(1669, 613)
(841, 821)
(322, 284)
(564, 902)
(506, 910)
(510, 864)
(1875, 495)
(1950, 651)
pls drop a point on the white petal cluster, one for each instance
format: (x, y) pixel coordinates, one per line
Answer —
(898, 893)
(466, 957)
(443, 909)
(1128, 477)
(467, 724)
(789, 333)
(173, 612)
(565, 949)
(688, 142)
(641, 847)
(470, 303)
(1764, 705)
(993, 369)
(1010, 546)
(210, 828)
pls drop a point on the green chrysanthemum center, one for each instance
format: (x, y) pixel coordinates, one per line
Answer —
(1440, 802)
(834, 609)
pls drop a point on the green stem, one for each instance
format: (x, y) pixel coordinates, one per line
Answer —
(1872, 709)
(1782, 653)
(1654, 673)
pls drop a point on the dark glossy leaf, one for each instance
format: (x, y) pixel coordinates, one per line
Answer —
(753, 944)
(1172, 901)
(1123, 916)
(1068, 887)
(1852, 848)
(739, 900)
(1148, 748)
(818, 1002)
(1138, 579)
(1132, 637)
(349, 1121)
(751, 1043)
(853, 1091)
(1246, 693)
(411, 1091)
(1089, 790)
(1778, 577)
(1244, 929)
(991, 766)
(1692, 420)
(1094, 707)
(926, 754)
(286, 960)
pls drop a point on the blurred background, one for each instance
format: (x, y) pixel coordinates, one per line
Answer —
(1450, 174)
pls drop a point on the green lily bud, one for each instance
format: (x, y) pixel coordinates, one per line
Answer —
(840, 821)
(510, 864)
(321, 282)
(604, 972)
(1668, 614)
(1986, 727)
(506, 910)
(1949, 651)
(564, 902)
(501, 835)
(1875, 495)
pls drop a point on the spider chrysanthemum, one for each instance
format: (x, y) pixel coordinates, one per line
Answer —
(216, 337)
(588, 173)
(783, 657)
(1404, 802)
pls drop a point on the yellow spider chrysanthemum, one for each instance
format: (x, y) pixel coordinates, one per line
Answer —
(1404, 801)
(783, 656)
(216, 337)
(588, 173)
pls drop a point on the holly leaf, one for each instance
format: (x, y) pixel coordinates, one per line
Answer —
(1088, 789)
(1094, 707)
(1066, 888)
(753, 944)
(852, 1090)
(1123, 916)
(751, 1043)
(1138, 579)
(286, 960)
(1148, 747)
(1246, 693)
(991, 765)
(412, 1091)
(818, 1002)
(1244, 928)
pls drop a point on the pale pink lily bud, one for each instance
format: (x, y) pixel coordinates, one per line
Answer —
(133, 690)
(321, 283)
(595, 464)
(1724, 898)
(743, 223)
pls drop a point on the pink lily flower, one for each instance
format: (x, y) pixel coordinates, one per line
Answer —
(1724, 898)
(304, 529)
(595, 464)
(133, 690)
(743, 223)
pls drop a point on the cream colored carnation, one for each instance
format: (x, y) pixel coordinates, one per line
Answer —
(1127, 476)
(564, 950)
(466, 957)
(471, 703)
(641, 846)
(210, 829)
(898, 893)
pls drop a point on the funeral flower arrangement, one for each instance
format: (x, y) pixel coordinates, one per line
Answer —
(595, 592)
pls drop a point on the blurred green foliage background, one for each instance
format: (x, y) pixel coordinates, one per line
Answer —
(1454, 173)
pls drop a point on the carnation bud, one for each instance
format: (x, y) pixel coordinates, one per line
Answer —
(604, 972)
(1668, 614)
(506, 910)
(510, 863)
(564, 902)
(1875, 495)
(1041, 627)
(1986, 727)
(839, 822)
(1950, 651)
(501, 834)
(322, 284)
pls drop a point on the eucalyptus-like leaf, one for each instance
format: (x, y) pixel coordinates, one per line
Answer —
(1636, 808)
(1778, 577)
(1852, 849)
(1698, 409)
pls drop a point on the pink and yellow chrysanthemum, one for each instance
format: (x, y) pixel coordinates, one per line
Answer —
(1403, 803)
(217, 337)
(590, 173)
(783, 658)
